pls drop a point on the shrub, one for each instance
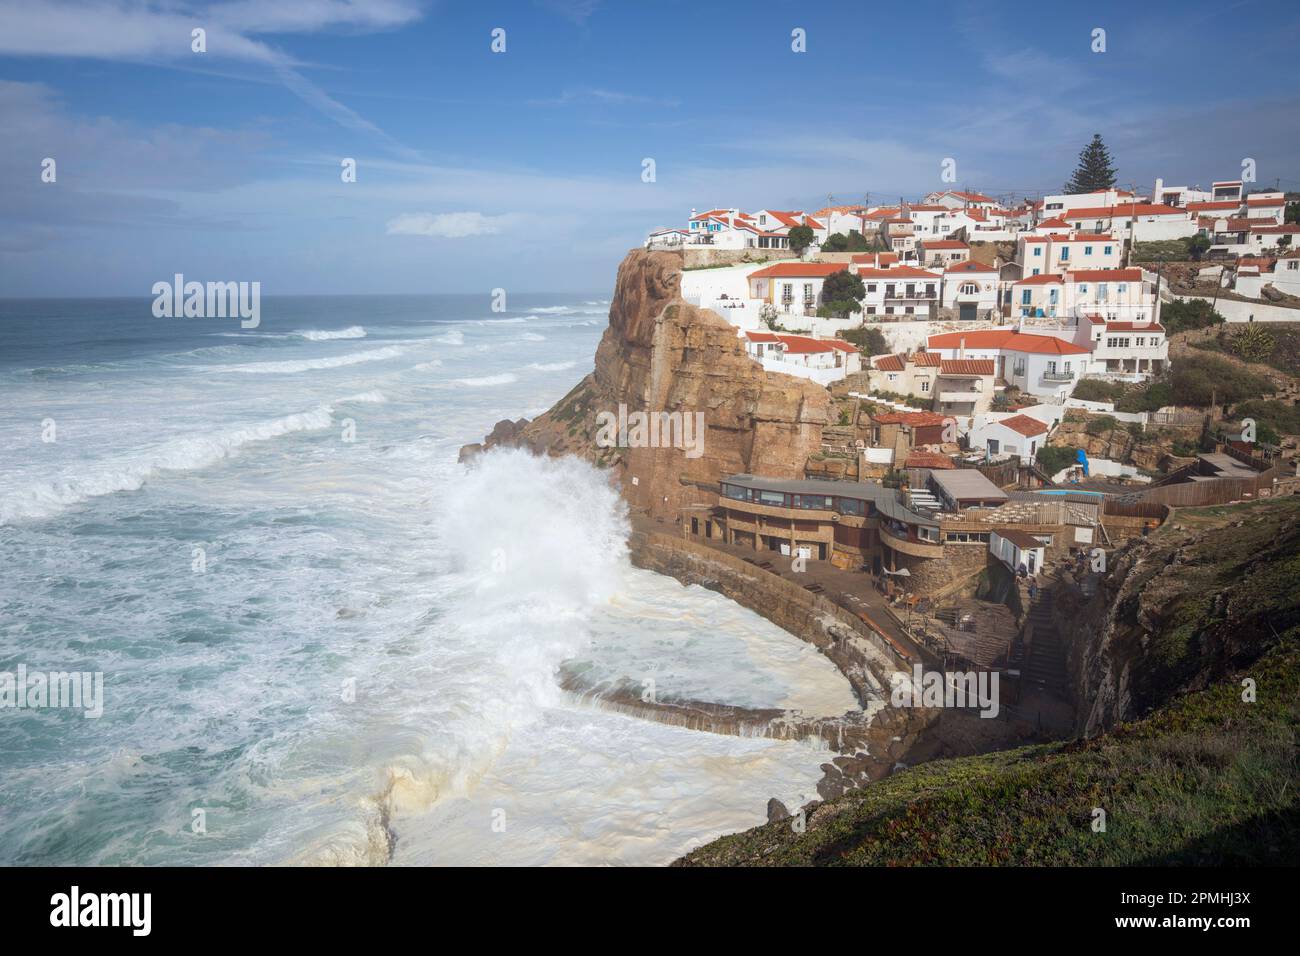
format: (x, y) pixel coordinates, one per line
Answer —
(1096, 390)
(1100, 424)
(1199, 379)
(1184, 316)
(1052, 458)
(870, 341)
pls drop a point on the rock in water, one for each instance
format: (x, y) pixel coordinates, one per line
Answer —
(776, 811)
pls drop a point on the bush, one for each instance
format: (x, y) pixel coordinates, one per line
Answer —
(800, 238)
(1096, 390)
(1184, 316)
(1052, 458)
(1100, 424)
(1273, 419)
(1199, 379)
(870, 341)
(846, 242)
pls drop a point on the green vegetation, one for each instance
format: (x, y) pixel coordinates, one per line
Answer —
(871, 341)
(842, 293)
(1097, 390)
(1198, 379)
(1272, 418)
(1052, 458)
(1183, 316)
(1094, 171)
(1171, 250)
(1284, 355)
(801, 237)
(1253, 343)
(1100, 424)
(851, 242)
(1207, 778)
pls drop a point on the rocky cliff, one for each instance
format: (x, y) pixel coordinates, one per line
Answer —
(1206, 596)
(662, 354)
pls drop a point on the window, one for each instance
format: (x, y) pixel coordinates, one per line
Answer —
(1122, 287)
(1027, 297)
(1108, 249)
(925, 385)
(771, 498)
(871, 310)
(1083, 288)
(871, 287)
(807, 293)
(1140, 341)
(969, 288)
(1038, 250)
(848, 506)
(1065, 253)
(1087, 250)
(1035, 272)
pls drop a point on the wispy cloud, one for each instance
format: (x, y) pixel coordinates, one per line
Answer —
(594, 96)
(135, 31)
(446, 225)
(575, 11)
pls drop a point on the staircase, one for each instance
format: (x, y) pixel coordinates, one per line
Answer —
(1046, 667)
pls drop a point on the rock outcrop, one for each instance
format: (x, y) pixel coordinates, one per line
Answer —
(662, 354)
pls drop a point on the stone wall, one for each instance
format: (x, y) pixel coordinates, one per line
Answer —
(694, 258)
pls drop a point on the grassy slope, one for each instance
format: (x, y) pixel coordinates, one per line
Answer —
(1206, 779)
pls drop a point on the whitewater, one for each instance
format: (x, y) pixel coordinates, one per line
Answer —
(323, 636)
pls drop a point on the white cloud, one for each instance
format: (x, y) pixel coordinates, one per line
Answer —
(446, 225)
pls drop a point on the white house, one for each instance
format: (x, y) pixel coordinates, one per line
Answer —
(794, 288)
(1055, 253)
(1042, 365)
(1058, 205)
(1113, 293)
(942, 252)
(900, 290)
(957, 199)
(1143, 222)
(821, 360)
(1017, 549)
(1017, 435)
(970, 289)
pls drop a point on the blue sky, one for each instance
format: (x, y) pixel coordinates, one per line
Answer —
(522, 170)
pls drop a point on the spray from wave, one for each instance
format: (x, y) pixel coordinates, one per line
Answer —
(517, 601)
(294, 366)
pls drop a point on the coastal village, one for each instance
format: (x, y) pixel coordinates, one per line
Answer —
(995, 428)
(941, 435)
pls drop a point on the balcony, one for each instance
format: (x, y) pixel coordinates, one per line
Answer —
(1058, 378)
(959, 397)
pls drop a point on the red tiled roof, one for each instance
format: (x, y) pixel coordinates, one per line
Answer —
(1056, 222)
(944, 244)
(928, 459)
(926, 359)
(970, 265)
(1211, 206)
(790, 270)
(1290, 227)
(1133, 327)
(888, 363)
(1265, 202)
(761, 337)
(966, 367)
(1029, 427)
(1007, 340)
(806, 345)
(1105, 275)
(897, 272)
(1045, 279)
(1125, 209)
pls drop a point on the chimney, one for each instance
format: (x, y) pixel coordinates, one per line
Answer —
(1160, 187)
(692, 212)
(961, 348)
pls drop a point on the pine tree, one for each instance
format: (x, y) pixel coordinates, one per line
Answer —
(1094, 171)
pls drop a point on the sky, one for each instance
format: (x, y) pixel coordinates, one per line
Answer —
(525, 169)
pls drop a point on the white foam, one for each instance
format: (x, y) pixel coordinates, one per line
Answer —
(42, 499)
(551, 366)
(453, 337)
(325, 335)
(293, 366)
(533, 337)
(487, 381)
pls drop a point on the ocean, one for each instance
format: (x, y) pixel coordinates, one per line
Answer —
(323, 640)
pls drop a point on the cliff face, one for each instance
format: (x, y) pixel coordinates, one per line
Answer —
(661, 354)
(1178, 611)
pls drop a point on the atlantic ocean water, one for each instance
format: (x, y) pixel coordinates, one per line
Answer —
(322, 639)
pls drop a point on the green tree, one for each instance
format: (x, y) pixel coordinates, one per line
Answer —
(1292, 211)
(845, 242)
(842, 293)
(801, 238)
(1094, 171)
(1197, 246)
(870, 341)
